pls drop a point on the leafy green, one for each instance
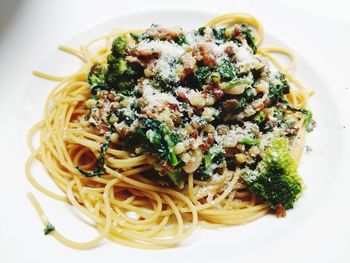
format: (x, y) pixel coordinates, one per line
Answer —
(177, 177)
(249, 36)
(182, 40)
(219, 33)
(139, 37)
(165, 84)
(276, 92)
(124, 114)
(308, 124)
(234, 83)
(249, 141)
(159, 140)
(48, 228)
(99, 169)
(259, 118)
(156, 138)
(210, 162)
(201, 30)
(276, 182)
(215, 77)
(227, 70)
(201, 75)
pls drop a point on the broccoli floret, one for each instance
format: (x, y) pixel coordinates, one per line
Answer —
(276, 180)
(121, 75)
(97, 74)
(119, 45)
(116, 65)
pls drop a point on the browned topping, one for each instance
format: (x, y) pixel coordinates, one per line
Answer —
(208, 58)
(111, 96)
(123, 132)
(280, 211)
(204, 146)
(231, 151)
(210, 139)
(150, 115)
(218, 93)
(229, 104)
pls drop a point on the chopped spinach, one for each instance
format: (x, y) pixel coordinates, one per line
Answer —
(48, 229)
(210, 162)
(99, 168)
(276, 92)
(247, 32)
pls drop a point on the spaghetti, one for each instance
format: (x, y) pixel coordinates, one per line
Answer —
(126, 204)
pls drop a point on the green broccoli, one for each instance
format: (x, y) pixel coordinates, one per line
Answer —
(121, 75)
(97, 74)
(276, 180)
(119, 45)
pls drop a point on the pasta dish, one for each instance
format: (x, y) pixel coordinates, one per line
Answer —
(164, 129)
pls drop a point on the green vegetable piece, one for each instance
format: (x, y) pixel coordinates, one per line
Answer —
(48, 229)
(234, 83)
(182, 40)
(153, 136)
(119, 45)
(227, 70)
(259, 117)
(219, 34)
(177, 177)
(215, 77)
(113, 119)
(97, 74)
(276, 92)
(156, 138)
(308, 124)
(276, 180)
(249, 36)
(201, 75)
(99, 169)
(201, 30)
(116, 65)
(249, 141)
(210, 162)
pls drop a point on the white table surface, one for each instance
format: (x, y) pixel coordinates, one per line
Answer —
(41, 25)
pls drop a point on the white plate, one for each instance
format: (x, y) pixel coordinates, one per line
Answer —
(261, 237)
